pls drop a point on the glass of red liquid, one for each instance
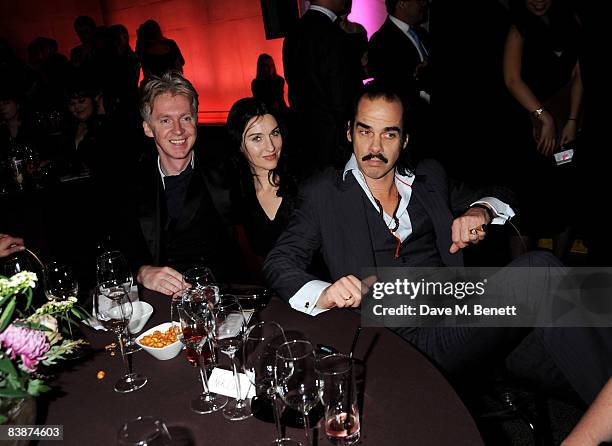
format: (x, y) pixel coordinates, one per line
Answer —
(196, 322)
(339, 396)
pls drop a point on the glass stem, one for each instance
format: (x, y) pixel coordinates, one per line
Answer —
(307, 427)
(277, 416)
(237, 380)
(127, 361)
(203, 376)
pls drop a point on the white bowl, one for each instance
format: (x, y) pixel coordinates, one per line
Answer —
(141, 312)
(165, 353)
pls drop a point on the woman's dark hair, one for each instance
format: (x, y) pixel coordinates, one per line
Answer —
(261, 67)
(553, 26)
(238, 118)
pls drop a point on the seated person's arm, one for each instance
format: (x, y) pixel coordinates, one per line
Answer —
(10, 245)
(595, 426)
(318, 296)
(162, 279)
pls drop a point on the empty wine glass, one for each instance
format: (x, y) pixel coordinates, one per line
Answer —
(199, 276)
(230, 327)
(60, 282)
(259, 358)
(196, 321)
(296, 378)
(114, 311)
(144, 431)
(112, 270)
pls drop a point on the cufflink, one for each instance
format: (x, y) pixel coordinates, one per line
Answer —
(307, 305)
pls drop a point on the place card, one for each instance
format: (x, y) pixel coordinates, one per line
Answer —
(221, 381)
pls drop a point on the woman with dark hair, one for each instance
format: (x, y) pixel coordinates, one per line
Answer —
(263, 196)
(268, 86)
(82, 149)
(542, 72)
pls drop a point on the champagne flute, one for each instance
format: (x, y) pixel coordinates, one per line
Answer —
(196, 321)
(144, 431)
(112, 270)
(114, 312)
(230, 327)
(296, 378)
(259, 359)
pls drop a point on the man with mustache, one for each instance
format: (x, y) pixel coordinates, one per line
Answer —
(377, 212)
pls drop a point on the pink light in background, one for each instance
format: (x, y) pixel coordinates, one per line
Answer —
(370, 13)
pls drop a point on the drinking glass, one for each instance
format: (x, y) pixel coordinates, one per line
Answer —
(114, 312)
(60, 282)
(296, 378)
(112, 270)
(199, 276)
(230, 327)
(196, 322)
(259, 359)
(144, 431)
(339, 396)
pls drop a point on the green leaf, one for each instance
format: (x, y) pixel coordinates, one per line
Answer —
(3, 419)
(6, 366)
(5, 319)
(36, 387)
(12, 393)
(28, 294)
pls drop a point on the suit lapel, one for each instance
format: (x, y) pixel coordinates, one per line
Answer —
(441, 217)
(355, 221)
(150, 212)
(193, 200)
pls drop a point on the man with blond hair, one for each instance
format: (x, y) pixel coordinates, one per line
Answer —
(175, 223)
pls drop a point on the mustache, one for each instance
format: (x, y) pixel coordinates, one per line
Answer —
(380, 156)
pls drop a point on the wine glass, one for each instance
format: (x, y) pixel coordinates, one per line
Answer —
(144, 431)
(259, 359)
(199, 276)
(230, 327)
(296, 378)
(112, 270)
(196, 321)
(114, 311)
(60, 284)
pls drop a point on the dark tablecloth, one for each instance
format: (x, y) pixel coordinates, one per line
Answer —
(406, 401)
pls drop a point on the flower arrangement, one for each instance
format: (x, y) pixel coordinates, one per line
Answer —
(30, 337)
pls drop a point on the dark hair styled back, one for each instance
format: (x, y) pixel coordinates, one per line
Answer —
(238, 118)
(380, 90)
(84, 20)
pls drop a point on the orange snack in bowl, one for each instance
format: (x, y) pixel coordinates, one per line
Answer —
(159, 339)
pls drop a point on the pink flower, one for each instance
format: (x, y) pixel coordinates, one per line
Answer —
(30, 344)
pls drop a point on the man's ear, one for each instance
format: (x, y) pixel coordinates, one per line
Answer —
(147, 129)
(348, 132)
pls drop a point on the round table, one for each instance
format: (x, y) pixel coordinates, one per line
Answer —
(406, 400)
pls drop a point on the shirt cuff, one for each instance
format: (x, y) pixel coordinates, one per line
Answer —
(503, 212)
(305, 300)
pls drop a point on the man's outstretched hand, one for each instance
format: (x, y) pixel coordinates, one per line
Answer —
(463, 233)
(161, 278)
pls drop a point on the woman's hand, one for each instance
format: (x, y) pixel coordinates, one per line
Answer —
(569, 132)
(547, 138)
